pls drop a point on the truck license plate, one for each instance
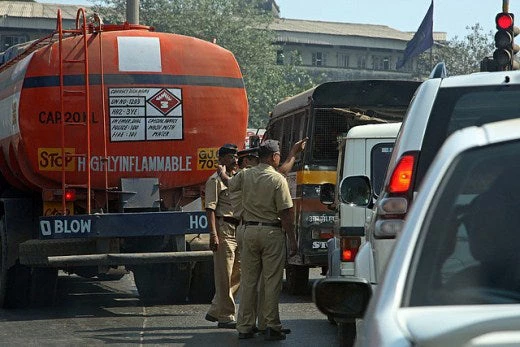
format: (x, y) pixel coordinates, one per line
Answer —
(54, 208)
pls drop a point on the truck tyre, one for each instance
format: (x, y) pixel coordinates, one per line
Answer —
(44, 282)
(3, 265)
(296, 279)
(202, 286)
(86, 271)
(346, 334)
(14, 280)
(164, 283)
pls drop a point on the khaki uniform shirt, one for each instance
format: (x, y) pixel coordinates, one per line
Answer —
(265, 193)
(217, 197)
(236, 200)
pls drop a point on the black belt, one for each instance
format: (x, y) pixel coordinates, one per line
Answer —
(275, 224)
(231, 220)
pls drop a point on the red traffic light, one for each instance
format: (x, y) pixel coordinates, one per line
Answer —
(504, 20)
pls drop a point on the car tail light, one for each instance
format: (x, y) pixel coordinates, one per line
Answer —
(349, 248)
(402, 176)
(393, 206)
(388, 228)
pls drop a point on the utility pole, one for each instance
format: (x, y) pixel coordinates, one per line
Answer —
(132, 11)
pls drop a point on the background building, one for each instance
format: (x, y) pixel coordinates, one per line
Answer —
(345, 50)
(25, 21)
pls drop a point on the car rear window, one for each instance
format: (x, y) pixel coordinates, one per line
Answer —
(457, 108)
(468, 250)
(380, 157)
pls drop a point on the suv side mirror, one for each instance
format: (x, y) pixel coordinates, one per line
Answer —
(345, 298)
(327, 191)
(356, 190)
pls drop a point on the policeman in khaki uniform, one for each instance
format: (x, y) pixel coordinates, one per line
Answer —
(267, 206)
(222, 227)
(247, 158)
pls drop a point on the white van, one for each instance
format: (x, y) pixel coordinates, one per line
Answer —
(366, 151)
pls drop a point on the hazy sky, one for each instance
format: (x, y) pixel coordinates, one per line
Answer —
(450, 16)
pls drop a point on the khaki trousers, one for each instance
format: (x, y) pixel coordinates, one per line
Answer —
(226, 262)
(262, 255)
(259, 298)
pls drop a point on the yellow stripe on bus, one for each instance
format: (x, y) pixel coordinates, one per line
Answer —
(315, 177)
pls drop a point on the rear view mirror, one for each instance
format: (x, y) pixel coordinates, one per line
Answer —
(356, 190)
(254, 141)
(345, 298)
(327, 191)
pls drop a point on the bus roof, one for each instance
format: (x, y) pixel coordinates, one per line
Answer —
(375, 94)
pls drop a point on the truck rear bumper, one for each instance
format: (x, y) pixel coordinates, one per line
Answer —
(122, 225)
(126, 259)
(86, 252)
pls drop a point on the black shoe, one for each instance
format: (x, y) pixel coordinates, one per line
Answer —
(228, 325)
(210, 318)
(273, 335)
(262, 332)
(248, 335)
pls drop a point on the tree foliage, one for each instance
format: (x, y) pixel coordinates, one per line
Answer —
(461, 56)
(240, 26)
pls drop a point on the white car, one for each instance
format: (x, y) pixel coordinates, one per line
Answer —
(441, 106)
(454, 276)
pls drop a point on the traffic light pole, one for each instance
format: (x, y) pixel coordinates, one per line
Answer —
(505, 5)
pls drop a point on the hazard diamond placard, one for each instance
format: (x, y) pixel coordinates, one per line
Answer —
(164, 101)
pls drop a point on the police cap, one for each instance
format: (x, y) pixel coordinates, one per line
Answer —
(253, 152)
(228, 148)
(268, 147)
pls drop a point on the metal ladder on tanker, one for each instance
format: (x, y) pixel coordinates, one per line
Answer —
(85, 93)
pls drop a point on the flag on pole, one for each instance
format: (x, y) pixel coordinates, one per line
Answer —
(421, 41)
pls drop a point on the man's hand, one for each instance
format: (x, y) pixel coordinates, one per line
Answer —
(293, 247)
(213, 242)
(299, 146)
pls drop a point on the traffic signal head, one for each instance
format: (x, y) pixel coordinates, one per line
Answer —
(504, 42)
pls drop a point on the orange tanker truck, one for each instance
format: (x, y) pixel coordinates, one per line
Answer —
(107, 134)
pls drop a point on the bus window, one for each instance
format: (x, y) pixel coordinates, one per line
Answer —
(327, 127)
(275, 130)
(286, 136)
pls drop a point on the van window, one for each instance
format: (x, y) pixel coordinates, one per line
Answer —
(457, 108)
(379, 159)
(468, 247)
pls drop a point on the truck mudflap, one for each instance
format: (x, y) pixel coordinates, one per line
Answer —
(122, 225)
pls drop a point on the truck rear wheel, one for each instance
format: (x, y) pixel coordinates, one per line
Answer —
(14, 280)
(44, 282)
(296, 279)
(202, 286)
(164, 282)
(3, 265)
